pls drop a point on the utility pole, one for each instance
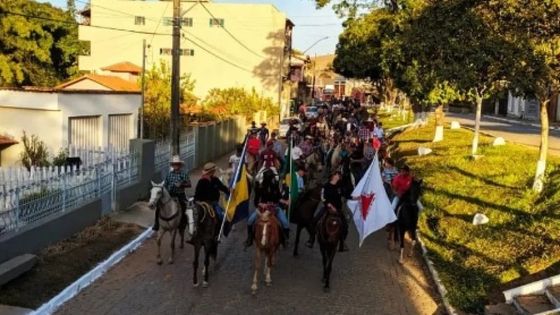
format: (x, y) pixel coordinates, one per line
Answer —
(313, 88)
(175, 77)
(141, 131)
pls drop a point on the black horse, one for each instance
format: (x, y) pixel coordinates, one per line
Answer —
(407, 216)
(329, 235)
(206, 228)
(267, 190)
(303, 213)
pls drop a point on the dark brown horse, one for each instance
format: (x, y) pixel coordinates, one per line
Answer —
(329, 236)
(303, 212)
(204, 236)
(407, 216)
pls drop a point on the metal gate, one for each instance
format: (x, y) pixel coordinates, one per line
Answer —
(119, 131)
(84, 131)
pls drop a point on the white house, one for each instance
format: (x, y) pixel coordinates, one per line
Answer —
(529, 109)
(90, 111)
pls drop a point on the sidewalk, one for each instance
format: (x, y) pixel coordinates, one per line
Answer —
(139, 214)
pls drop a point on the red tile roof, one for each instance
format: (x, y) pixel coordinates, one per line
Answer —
(124, 66)
(6, 141)
(111, 82)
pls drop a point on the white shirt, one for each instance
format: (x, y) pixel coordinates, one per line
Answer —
(234, 161)
(296, 153)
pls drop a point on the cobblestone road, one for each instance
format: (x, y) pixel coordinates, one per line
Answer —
(368, 280)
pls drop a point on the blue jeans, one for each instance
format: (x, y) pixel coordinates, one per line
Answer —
(280, 214)
(219, 210)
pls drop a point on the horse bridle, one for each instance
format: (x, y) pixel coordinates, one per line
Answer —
(162, 203)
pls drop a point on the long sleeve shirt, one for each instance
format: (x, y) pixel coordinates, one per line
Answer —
(208, 189)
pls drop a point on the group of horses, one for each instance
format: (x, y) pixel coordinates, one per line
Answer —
(203, 224)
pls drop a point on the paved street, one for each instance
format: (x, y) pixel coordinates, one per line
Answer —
(514, 132)
(364, 281)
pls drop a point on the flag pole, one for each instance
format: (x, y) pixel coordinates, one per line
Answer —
(291, 179)
(233, 187)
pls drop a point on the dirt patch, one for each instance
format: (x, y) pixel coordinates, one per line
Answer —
(64, 262)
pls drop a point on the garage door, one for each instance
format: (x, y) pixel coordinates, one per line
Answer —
(120, 131)
(85, 131)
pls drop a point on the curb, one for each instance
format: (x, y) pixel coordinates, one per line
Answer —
(520, 122)
(440, 287)
(87, 279)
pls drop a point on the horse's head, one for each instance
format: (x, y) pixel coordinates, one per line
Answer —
(265, 211)
(155, 194)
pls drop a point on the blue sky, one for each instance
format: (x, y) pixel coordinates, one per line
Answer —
(311, 24)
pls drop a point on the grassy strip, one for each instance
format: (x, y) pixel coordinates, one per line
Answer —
(63, 263)
(523, 236)
(393, 119)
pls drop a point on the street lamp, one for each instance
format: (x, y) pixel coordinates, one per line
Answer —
(314, 63)
(315, 43)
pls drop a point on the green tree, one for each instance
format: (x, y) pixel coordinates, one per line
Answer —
(157, 99)
(37, 51)
(35, 152)
(238, 101)
(534, 26)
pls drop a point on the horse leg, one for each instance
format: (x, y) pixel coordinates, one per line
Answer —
(158, 241)
(182, 236)
(267, 268)
(324, 258)
(298, 233)
(331, 253)
(207, 252)
(413, 237)
(256, 264)
(401, 237)
(173, 236)
(195, 264)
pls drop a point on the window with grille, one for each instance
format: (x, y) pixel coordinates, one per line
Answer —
(217, 22)
(168, 21)
(139, 20)
(165, 51)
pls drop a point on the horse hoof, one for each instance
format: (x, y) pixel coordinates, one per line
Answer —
(195, 285)
(268, 283)
(326, 289)
(170, 262)
(205, 284)
(159, 261)
(296, 254)
(254, 292)
(401, 261)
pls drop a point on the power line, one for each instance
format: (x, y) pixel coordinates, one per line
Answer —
(75, 23)
(231, 35)
(159, 22)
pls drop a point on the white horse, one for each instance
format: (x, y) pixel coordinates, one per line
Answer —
(170, 218)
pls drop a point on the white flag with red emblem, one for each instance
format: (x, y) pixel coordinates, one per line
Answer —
(370, 206)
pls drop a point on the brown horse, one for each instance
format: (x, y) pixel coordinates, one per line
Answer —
(329, 236)
(267, 241)
(205, 231)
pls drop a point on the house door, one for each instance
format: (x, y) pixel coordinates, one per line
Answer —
(119, 131)
(84, 131)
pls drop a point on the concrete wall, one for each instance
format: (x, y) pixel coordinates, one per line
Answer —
(260, 27)
(43, 123)
(34, 237)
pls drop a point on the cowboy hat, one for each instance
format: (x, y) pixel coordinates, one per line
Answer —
(176, 160)
(209, 168)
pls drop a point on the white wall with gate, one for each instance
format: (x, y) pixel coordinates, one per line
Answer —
(85, 131)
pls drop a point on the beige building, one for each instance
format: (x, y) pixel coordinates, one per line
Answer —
(222, 44)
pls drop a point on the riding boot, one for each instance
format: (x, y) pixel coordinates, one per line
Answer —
(250, 236)
(156, 221)
(284, 236)
(342, 244)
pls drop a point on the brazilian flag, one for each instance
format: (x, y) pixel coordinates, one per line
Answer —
(291, 179)
(238, 205)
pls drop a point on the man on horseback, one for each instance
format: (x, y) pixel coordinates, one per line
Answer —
(175, 183)
(331, 195)
(401, 184)
(208, 189)
(269, 160)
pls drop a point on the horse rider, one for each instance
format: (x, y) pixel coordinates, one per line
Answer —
(263, 133)
(269, 160)
(401, 184)
(331, 195)
(209, 187)
(175, 183)
(254, 129)
(306, 146)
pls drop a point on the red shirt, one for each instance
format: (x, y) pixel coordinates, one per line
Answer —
(253, 146)
(401, 184)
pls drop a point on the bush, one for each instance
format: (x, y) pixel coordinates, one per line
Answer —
(35, 152)
(523, 234)
(238, 101)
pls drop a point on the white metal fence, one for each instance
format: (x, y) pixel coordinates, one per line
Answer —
(187, 149)
(29, 196)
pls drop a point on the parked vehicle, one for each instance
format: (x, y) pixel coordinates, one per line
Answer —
(285, 125)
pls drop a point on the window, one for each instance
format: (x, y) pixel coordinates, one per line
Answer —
(139, 20)
(182, 52)
(217, 22)
(168, 21)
